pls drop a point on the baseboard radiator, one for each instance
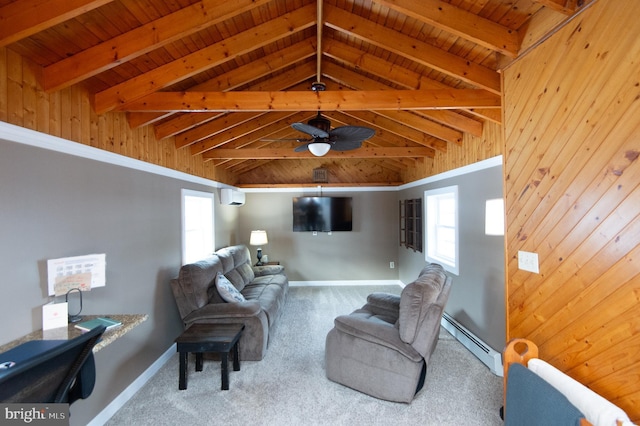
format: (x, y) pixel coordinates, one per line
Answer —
(481, 350)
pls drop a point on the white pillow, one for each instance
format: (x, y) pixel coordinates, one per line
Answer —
(598, 410)
(227, 290)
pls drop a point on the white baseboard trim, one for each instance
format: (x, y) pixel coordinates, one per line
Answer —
(104, 416)
(344, 283)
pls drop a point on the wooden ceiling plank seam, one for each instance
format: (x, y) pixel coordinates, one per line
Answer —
(139, 41)
(21, 19)
(116, 97)
(277, 154)
(313, 101)
(459, 22)
(415, 50)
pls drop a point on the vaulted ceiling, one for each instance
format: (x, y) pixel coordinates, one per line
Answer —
(226, 80)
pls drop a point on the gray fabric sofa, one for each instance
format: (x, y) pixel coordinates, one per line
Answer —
(383, 348)
(265, 289)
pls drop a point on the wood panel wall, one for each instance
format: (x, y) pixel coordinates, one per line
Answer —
(68, 114)
(572, 134)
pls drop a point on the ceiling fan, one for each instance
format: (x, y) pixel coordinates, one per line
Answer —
(323, 138)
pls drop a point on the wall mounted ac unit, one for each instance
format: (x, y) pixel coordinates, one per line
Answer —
(231, 197)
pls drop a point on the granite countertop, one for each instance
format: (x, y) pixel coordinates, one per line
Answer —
(129, 321)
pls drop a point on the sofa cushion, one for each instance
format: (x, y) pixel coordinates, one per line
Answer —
(270, 296)
(246, 272)
(227, 290)
(235, 278)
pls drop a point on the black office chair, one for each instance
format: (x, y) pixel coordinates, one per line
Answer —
(63, 373)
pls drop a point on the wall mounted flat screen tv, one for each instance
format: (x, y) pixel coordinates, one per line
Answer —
(322, 214)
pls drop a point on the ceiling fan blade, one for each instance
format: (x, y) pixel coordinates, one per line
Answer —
(351, 134)
(302, 148)
(311, 130)
(342, 145)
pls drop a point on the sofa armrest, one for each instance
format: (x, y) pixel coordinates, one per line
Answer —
(384, 304)
(261, 271)
(225, 310)
(361, 325)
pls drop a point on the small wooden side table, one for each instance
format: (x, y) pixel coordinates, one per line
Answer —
(200, 338)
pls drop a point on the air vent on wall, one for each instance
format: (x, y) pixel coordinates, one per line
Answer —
(320, 175)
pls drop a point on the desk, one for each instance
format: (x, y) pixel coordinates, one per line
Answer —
(128, 323)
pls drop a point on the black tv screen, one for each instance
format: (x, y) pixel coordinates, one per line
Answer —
(322, 214)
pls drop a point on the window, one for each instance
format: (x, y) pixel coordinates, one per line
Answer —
(197, 225)
(442, 227)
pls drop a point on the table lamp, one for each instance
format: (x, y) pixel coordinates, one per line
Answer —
(258, 238)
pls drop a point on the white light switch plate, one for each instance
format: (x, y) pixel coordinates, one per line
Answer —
(528, 261)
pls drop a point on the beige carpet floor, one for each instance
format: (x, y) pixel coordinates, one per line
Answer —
(289, 386)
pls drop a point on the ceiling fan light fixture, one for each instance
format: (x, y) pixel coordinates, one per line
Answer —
(319, 148)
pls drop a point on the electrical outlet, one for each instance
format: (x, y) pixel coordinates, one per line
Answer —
(392, 265)
(528, 261)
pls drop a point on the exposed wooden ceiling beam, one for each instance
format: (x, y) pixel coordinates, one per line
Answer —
(232, 80)
(242, 135)
(206, 58)
(459, 22)
(223, 124)
(316, 101)
(399, 129)
(408, 47)
(21, 19)
(419, 123)
(186, 125)
(284, 154)
(402, 77)
(141, 40)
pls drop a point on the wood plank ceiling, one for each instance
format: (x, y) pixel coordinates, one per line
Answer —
(226, 78)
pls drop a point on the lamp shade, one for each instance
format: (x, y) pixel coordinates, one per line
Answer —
(258, 238)
(319, 148)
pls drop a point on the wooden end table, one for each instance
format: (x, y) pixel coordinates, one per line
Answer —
(200, 338)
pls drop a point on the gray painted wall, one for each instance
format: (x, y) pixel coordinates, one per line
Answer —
(361, 254)
(477, 294)
(56, 205)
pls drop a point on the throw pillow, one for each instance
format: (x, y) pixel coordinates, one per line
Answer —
(227, 291)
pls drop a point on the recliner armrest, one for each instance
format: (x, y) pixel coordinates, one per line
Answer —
(361, 325)
(384, 304)
(263, 270)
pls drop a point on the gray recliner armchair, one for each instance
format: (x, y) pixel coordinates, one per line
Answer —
(383, 348)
